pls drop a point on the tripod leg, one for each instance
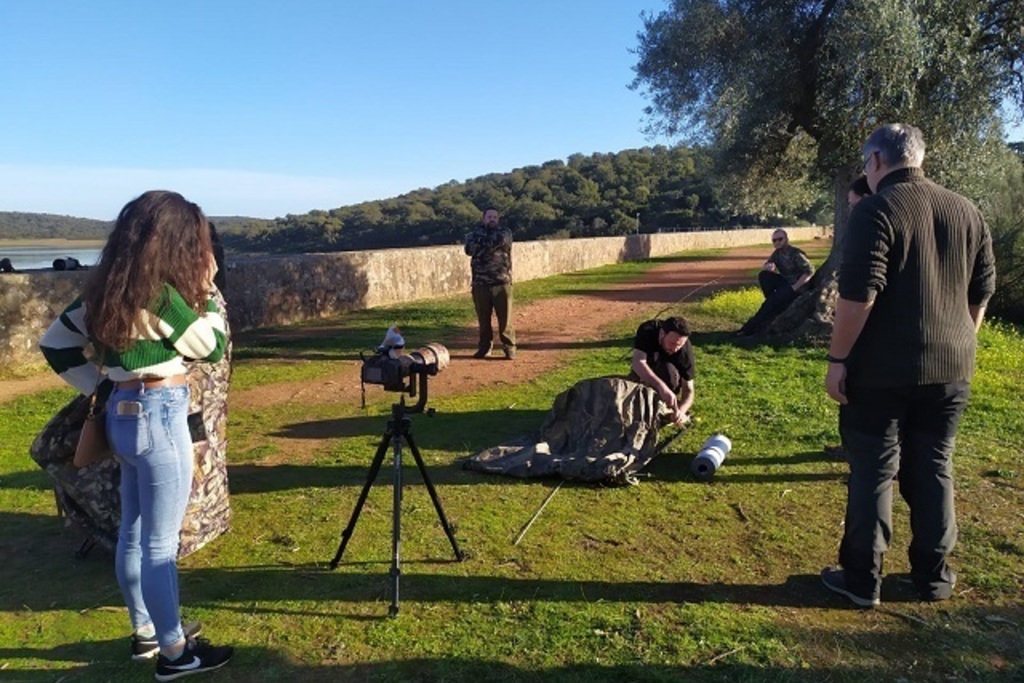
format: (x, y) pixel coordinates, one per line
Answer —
(396, 524)
(448, 530)
(378, 458)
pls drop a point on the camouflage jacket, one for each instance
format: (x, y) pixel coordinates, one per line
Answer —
(791, 263)
(490, 252)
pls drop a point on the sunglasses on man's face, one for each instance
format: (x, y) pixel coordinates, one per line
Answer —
(778, 239)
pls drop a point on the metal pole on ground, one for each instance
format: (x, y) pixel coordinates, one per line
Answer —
(537, 513)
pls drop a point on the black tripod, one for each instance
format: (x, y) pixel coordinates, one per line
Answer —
(399, 427)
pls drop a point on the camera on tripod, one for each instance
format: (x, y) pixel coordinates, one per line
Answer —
(395, 370)
(392, 368)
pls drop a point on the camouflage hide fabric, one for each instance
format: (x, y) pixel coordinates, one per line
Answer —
(87, 497)
(90, 498)
(600, 430)
(208, 514)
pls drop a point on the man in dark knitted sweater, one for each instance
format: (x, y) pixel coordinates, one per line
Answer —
(917, 272)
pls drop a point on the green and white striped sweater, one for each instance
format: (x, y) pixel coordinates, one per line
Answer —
(168, 335)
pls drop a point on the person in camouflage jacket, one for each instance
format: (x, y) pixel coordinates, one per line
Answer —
(490, 250)
(782, 278)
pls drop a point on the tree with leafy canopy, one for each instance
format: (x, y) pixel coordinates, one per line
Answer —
(785, 91)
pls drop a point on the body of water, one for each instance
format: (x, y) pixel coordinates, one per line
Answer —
(31, 258)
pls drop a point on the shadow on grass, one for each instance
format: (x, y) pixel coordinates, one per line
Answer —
(218, 588)
(669, 467)
(28, 480)
(444, 426)
(675, 467)
(99, 660)
(267, 478)
(38, 550)
(345, 585)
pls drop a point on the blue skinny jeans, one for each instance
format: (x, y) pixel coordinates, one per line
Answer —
(150, 437)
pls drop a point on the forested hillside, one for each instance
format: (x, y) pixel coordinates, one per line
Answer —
(601, 194)
(19, 225)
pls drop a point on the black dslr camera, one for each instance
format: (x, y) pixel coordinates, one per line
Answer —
(390, 367)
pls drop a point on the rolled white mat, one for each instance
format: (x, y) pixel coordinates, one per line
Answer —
(711, 456)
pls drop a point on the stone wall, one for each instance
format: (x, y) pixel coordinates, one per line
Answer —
(279, 290)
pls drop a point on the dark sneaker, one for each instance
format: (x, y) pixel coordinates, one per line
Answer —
(147, 648)
(510, 352)
(482, 352)
(835, 581)
(199, 656)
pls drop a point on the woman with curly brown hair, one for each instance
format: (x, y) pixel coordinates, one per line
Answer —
(144, 311)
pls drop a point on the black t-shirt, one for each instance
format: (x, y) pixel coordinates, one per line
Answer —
(674, 369)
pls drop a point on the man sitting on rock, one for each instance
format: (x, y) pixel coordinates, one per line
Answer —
(782, 278)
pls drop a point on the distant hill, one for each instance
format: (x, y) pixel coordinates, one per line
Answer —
(643, 189)
(647, 189)
(22, 225)
(19, 225)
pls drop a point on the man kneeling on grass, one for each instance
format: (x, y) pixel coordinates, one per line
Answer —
(663, 360)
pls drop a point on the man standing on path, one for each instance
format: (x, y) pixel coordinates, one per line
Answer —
(490, 249)
(782, 278)
(917, 272)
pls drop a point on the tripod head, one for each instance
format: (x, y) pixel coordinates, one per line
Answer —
(399, 409)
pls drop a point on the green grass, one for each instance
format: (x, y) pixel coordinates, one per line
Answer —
(670, 580)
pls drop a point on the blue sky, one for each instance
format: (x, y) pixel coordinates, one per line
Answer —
(265, 108)
(262, 108)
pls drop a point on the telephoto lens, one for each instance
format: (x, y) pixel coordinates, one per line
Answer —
(433, 357)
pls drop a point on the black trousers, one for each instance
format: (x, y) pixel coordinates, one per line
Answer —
(778, 295)
(912, 431)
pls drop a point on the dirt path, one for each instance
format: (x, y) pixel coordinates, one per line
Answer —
(548, 332)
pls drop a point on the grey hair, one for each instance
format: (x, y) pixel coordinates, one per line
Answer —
(898, 144)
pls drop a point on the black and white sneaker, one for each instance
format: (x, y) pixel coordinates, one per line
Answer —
(199, 656)
(144, 649)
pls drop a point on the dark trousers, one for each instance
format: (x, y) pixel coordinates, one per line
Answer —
(778, 294)
(496, 300)
(910, 430)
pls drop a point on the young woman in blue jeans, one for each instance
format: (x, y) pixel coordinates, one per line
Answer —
(144, 310)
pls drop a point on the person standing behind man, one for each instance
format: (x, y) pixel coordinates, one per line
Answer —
(916, 274)
(490, 249)
(782, 277)
(857, 190)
